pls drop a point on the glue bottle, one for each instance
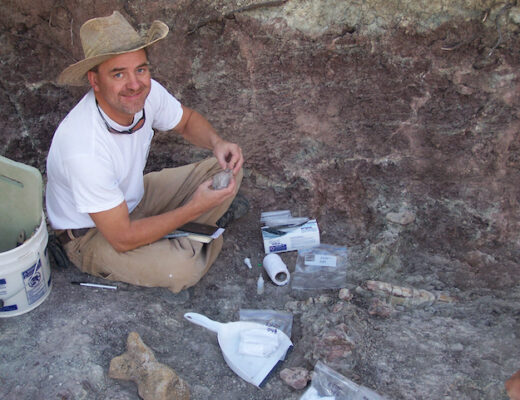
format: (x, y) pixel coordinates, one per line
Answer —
(260, 285)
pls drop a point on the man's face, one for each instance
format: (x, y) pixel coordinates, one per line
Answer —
(121, 85)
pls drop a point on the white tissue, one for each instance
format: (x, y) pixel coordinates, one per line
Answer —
(258, 342)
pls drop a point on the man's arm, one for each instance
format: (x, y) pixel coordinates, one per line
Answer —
(198, 131)
(124, 234)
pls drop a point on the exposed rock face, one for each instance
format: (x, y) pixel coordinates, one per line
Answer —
(346, 111)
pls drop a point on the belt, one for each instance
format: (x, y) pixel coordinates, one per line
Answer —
(66, 235)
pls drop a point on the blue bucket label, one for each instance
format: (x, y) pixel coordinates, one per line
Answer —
(34, 282)
(3, 287)
(12, 307)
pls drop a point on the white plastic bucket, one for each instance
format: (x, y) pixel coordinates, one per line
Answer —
(25, 275)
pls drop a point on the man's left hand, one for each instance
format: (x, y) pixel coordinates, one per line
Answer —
(229, 155)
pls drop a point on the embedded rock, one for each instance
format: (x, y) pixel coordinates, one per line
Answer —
(345, 294)
(333, 345)
(380, 308)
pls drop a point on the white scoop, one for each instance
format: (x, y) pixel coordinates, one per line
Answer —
(252, 368)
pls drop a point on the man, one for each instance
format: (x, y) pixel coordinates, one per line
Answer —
(110, 219)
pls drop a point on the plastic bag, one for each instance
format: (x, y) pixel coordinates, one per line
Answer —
(282, 320)
(277, 319)
(327, 384)
(321, 267)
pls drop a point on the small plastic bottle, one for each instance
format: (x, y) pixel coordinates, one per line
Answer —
(260, 285)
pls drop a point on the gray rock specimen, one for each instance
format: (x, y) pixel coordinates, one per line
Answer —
(221, 179)
(155, 381)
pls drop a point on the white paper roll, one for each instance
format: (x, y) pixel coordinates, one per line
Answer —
(276, 269)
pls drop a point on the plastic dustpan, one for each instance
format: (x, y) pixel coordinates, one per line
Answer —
(21, 202)
(252, 369)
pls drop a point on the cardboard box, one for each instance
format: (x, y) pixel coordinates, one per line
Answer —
(289, 239)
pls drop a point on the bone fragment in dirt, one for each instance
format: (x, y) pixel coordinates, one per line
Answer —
(155, 381)
(400, 295)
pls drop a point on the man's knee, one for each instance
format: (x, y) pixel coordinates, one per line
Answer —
(178, 280)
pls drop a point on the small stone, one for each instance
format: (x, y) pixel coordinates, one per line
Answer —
(297, 377)
(324, 299)
(155, 381)
(514, 15)
(309, 302)
(457, 347)
(401, 218)
(444, 298)
(345, 294)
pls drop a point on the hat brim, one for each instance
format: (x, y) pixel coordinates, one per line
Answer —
(75, 74)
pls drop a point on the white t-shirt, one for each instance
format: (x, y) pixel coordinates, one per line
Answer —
(90, 169)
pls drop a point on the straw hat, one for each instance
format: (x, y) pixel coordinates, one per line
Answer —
(105, 37)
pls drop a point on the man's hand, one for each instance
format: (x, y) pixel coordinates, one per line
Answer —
(205, 198)
(124, 234)
(229, 155)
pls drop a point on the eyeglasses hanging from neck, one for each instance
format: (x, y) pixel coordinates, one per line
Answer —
(138, 125)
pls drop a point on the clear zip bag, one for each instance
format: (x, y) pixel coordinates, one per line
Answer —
(321, 267)
(327, 384)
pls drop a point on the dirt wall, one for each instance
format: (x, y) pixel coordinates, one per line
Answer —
(347, 111)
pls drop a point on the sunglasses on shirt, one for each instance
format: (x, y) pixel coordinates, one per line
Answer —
(139, 124)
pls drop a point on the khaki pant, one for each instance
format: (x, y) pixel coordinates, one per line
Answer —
(172, 263)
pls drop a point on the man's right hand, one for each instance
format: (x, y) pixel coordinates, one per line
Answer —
(205, 198)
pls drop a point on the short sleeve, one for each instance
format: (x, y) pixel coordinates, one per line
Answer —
(93, 184)
(167, 110)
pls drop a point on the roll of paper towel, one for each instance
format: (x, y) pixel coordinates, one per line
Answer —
(276, 269)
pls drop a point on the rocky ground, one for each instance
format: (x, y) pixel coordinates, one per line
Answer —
(462, 346)
(401, 140)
